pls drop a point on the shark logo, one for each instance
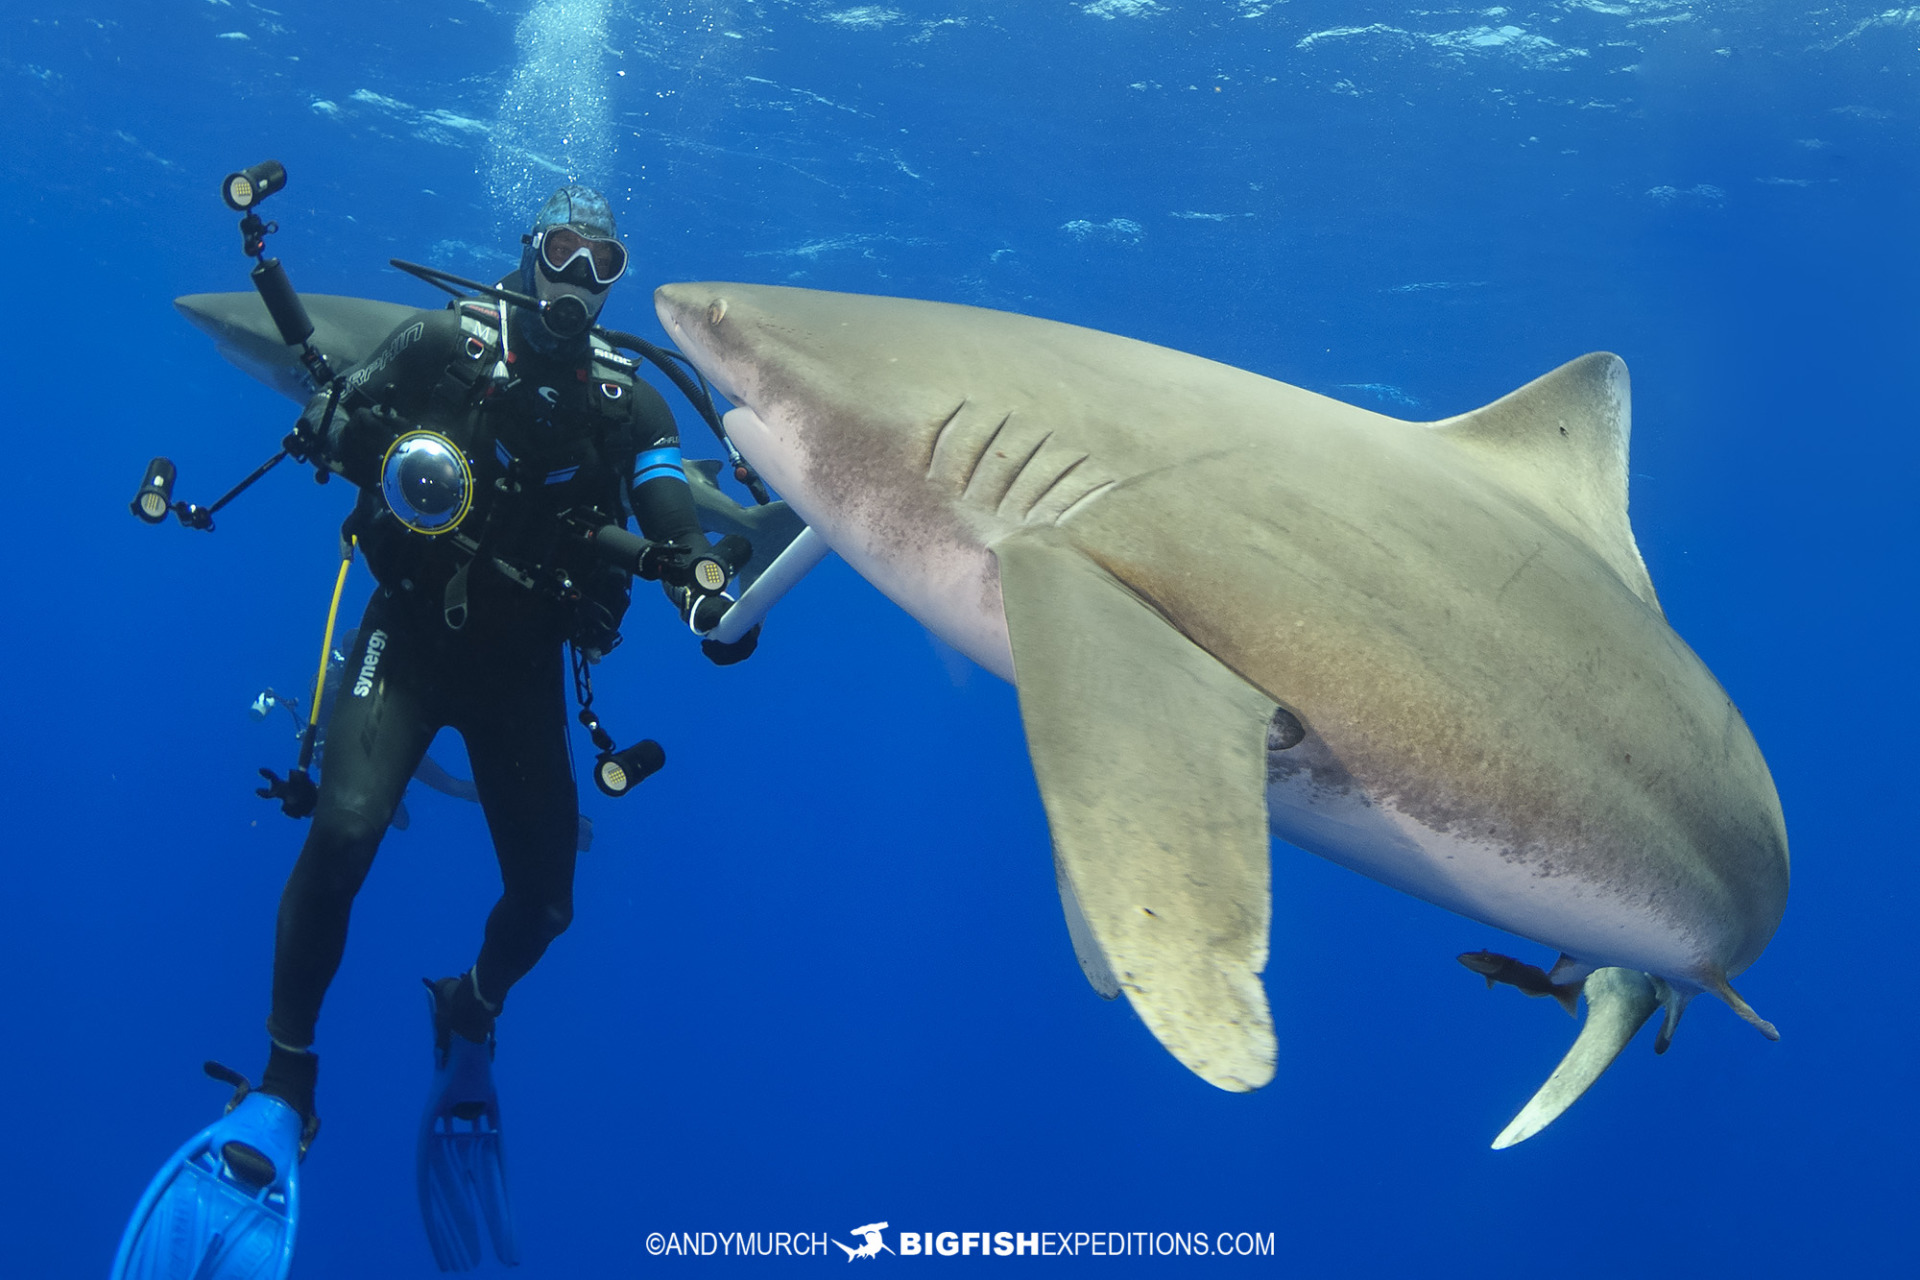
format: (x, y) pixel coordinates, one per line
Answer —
(873, 1246)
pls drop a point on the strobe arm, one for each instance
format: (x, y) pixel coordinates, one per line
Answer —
(704, 572)
(621, 548)
(290, 316)
(155, 497)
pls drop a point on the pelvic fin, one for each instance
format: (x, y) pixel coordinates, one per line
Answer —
(1674, 1000)
(1619, 1002)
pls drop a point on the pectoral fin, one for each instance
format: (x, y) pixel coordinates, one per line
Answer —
(1151, 761)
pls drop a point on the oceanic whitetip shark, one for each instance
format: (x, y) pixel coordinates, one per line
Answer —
(1234, 608)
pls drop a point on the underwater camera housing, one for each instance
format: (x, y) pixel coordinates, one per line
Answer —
(427, 482)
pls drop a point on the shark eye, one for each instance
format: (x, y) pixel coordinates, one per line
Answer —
(1284, 730)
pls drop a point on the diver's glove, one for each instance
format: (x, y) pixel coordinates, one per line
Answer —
(352, 444)
(303, 445)
(326, 428)
(725, 655)
(596, 642)
(701, 613)
(597, 612)
(307, 442)
(296, 792)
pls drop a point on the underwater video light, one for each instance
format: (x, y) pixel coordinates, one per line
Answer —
(155, 498)
(708, 572)
(249, 187)
(618, 772)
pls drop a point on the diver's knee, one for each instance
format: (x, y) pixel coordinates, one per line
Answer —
(338, 852)
(339, 829)
(555, 917)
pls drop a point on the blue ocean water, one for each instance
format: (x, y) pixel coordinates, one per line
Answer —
(818, 975)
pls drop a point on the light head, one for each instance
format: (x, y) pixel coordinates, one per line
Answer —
(247, 188)
(155, 497)
(617, 773)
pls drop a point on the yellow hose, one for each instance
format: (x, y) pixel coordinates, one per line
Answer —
(326, 642)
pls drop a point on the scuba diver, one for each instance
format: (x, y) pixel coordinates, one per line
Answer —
(490, 443)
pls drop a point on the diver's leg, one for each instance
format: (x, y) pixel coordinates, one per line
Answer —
(523, 768)
(379, 730)
(511, 707)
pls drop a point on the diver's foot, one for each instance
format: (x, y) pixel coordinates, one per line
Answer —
(460, 1174)
(227, 1203)
(290, 1076)
(459, 1010)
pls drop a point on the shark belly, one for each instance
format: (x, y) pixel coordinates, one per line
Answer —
(1314, 805)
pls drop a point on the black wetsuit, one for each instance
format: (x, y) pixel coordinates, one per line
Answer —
(557, 434)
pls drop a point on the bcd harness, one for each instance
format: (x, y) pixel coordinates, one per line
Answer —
(535, 489)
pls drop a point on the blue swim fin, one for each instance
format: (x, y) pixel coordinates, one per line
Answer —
(461, 1169)
(226, 1205)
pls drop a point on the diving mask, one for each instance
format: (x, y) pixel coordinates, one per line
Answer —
(557, 249)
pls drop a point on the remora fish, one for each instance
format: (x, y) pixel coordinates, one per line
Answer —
(1430, 653)
(1529, 979)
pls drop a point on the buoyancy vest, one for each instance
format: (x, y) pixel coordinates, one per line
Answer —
(550, 444)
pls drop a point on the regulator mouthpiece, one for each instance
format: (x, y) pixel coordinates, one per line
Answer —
(566, 317)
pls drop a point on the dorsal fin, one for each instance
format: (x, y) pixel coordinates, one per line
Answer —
(1561, 442)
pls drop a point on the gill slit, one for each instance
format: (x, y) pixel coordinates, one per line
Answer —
(1083, 499)
(985, 449)
(1021, 470)
(939, 435)
(1055, 482)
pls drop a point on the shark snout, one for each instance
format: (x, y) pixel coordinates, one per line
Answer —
(693, 316)
(677, 303)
